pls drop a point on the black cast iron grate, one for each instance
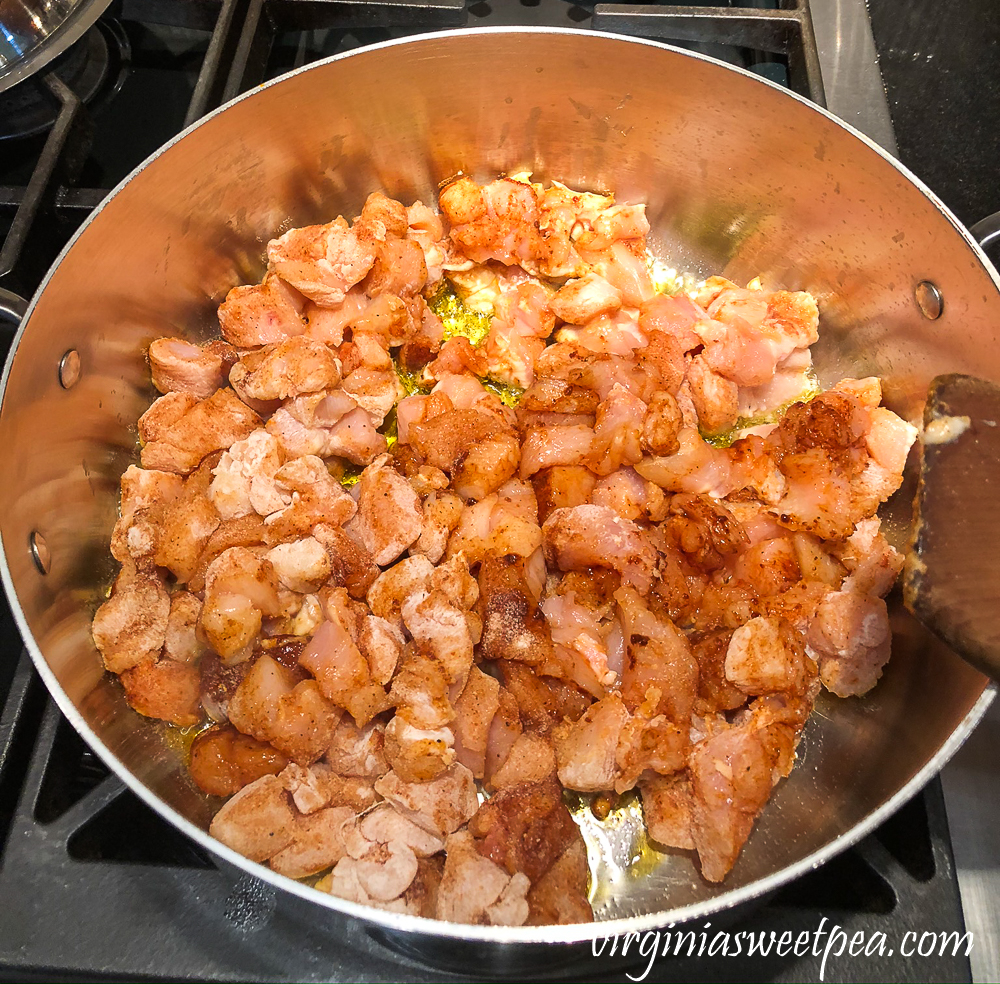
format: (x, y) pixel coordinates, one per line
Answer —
(96, 885)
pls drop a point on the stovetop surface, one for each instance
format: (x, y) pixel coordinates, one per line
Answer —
(97, 886)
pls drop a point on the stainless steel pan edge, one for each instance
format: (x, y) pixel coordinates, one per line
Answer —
(89, 717)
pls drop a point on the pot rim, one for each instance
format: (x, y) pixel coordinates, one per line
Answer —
(575, 933)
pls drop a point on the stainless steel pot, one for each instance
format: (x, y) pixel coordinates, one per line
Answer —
(740, 177)
(33, 32)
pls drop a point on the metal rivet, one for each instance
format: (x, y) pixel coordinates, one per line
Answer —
(69, 369)
(40, 552)
(929, 300)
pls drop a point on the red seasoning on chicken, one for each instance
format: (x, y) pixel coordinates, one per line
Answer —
(464, 511)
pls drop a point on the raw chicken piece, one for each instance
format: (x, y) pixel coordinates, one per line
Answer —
(617, 431)
(262, 313)
(322, 261)
(178, 430)
(301, 565)
(531, 759)
(475, 709)
(851, 636)
(243, 479)
(594, 536)
(392, 587)
(579, 301)
(181, 642)
(180, 366)
(732, 774)
(273, 704)
(585, 750)
(389, 516)
(767, 655)
(357, 751)
(240, 588)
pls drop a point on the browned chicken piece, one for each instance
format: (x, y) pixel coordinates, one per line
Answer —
(322, 261)
(542, 701)
(381, 218)
(531, 759)
(178, 434)
(586, 749)
(223, 761)
(316, 497)
(668, 806)
(184, 526)
(559, 897)
(658, 658)
(274, 704)
(178, 366)
(475, 890)
(473, 447)
(441, 805)
(587, 536)
(351, 565)
(164, 689)
(389, 516)
(356, 751)
(525, 827)
(442, 511)
(716, 399)
(181, 641)
(318, 842)
(475, 709)
(767, 655)
(319, 786)
(664, 354)
(456, 358)
(130, 627)
(561, 487)
(219, 682)
(513, 625)
(715, 692)
(286, 369)
(704, 530)
(381, 643)
(732, 774)
(144, 491)
(258, 822)
(661, 425)
(261, 313)
(240, 589)
(649, 744)
(393, 586)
